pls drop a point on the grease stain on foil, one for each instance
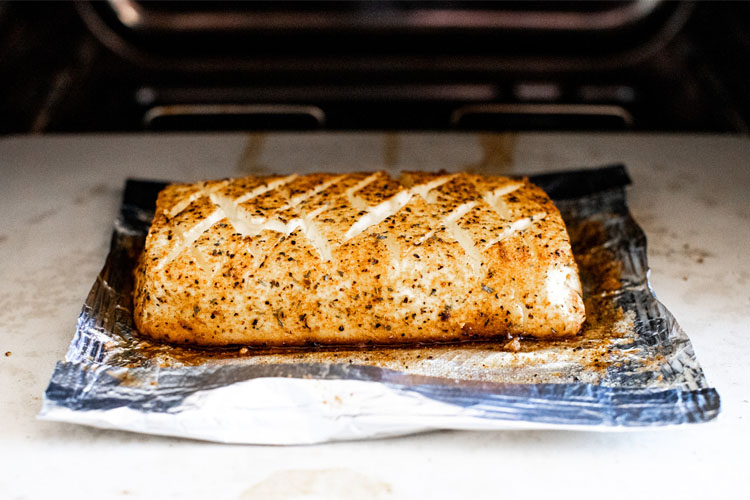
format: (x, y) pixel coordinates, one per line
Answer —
(584, 358)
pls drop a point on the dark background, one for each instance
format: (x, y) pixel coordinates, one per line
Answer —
(125, 65)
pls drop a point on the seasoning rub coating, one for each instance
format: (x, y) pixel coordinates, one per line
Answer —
(357, 258)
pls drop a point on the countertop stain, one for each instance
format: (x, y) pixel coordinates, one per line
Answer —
(333, 484)
(40, 217)
(391, 150)
(95, 191)
(249, 162)
(498, 153)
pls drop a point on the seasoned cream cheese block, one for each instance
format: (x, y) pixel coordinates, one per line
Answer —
(359, 258)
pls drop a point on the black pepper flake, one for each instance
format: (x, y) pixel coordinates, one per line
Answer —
(487, 289)
(446, 312)
(341, 328)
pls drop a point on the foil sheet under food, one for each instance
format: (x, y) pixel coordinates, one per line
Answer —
(632, 365)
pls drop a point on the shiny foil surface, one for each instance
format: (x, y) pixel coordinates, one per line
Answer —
(632, 365)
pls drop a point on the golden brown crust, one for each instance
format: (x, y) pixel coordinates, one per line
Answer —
(355, 259)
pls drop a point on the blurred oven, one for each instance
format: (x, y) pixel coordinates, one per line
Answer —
(128, 65)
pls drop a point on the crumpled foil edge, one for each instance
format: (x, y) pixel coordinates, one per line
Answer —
(295, 403)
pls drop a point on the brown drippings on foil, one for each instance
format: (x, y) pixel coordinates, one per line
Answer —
(583, 358)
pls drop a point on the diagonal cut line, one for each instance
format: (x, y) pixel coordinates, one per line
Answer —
(311, 230)
(464, 240)
(461, 236)
(189, 237)
(378, 213)
(423, 190)
(355, 201)
(296, 200)
(178, 207)
(248, 227)
(451, 218)
(515, 227)
(232, 211)
(238, 217)
(226, 208)
(200, 259)
(495, 199)
(265, 188)
(394, 253)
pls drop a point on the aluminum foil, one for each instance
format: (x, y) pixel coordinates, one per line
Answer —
(632, 366)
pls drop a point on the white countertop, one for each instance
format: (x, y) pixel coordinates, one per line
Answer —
(59, 196)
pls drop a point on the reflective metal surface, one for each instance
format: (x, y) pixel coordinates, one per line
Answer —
(631, 366)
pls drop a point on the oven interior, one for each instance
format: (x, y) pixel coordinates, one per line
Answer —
(132, 66)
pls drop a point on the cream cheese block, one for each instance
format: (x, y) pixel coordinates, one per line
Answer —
(359, 258)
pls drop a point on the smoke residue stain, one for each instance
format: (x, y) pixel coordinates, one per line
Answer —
(249, 162)
(318, 483)
(498, 152)
(40, 217)
(93, 192)
(391, 150)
